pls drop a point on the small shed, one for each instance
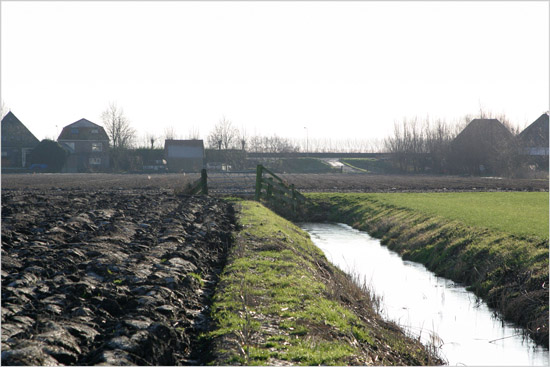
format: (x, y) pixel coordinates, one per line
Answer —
(88, 147)
(17, 143)
(483, 147)
(184, 155)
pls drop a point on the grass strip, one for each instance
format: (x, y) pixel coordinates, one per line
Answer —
(502, 264)
(516, 213)
(279, 301)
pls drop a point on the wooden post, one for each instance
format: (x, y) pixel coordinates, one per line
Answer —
(258, 182)
(269, 190)
(204, 182)
(294, 201)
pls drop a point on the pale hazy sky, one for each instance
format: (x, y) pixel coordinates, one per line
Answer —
(343, 69)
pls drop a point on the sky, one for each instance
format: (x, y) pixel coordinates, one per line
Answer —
(321, 70)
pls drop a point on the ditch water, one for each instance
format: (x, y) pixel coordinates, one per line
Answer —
(468, 332)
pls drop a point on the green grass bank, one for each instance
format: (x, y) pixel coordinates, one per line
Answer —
(298, 165)
(279, 301)
(496, 243)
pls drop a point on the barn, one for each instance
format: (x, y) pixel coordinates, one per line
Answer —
(534, 139)
(534, 144)
(484, 147)
(17, 143)
(184, 155)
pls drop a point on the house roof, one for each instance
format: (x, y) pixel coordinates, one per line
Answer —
(176, 149)
(195, 143)
(484, 131)
(536, 134)
(15, 134)
(83, 130)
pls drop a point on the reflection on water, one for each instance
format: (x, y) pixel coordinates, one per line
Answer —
(470, 333)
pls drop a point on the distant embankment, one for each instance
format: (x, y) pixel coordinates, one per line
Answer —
(497, 243)
(318, 155)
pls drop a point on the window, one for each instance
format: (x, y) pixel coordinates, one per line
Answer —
(94, 131)
(97, 147)
(4, 153)
(95, 161)
(74, 130)
(71, 146)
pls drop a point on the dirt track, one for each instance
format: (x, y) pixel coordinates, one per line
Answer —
(244, 183)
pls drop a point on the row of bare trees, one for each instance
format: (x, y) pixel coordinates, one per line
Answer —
(413, 140)
(416, 145)
(226, 136)
(424, 145)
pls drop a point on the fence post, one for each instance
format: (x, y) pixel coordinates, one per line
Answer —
(269, 190)
(258, 182)
(294, 201)
(204, 182)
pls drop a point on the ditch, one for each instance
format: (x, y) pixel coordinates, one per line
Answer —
(431, 308)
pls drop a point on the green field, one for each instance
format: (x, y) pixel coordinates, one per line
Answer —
(520, 213)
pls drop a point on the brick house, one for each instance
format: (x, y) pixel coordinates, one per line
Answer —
(184, 155)
(88, 147)
(17, 143)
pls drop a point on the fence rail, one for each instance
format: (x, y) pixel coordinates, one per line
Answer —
(232, 182)
(277, 192)
(269, 188)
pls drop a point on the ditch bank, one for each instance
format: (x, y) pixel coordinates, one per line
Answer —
(112, 277)
(509, 272)
(280, 302)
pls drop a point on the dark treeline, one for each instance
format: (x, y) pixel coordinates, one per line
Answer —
(484, 145)
(417, 145)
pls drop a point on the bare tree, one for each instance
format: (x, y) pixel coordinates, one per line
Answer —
(271, 144)
(223, 136)
(243, 138)
(150, 140)
(170, 133)
(3, 110)
(438, 140)
(118, 128)
(193, 133)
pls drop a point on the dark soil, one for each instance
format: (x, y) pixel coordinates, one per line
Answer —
(245, 183)
(409, 183)
(116, 277)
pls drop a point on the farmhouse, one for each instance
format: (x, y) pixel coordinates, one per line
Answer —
(17, 143)
(88, 147)
(534, 139)
(184, 155)
(533, 143)
(483, 147)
